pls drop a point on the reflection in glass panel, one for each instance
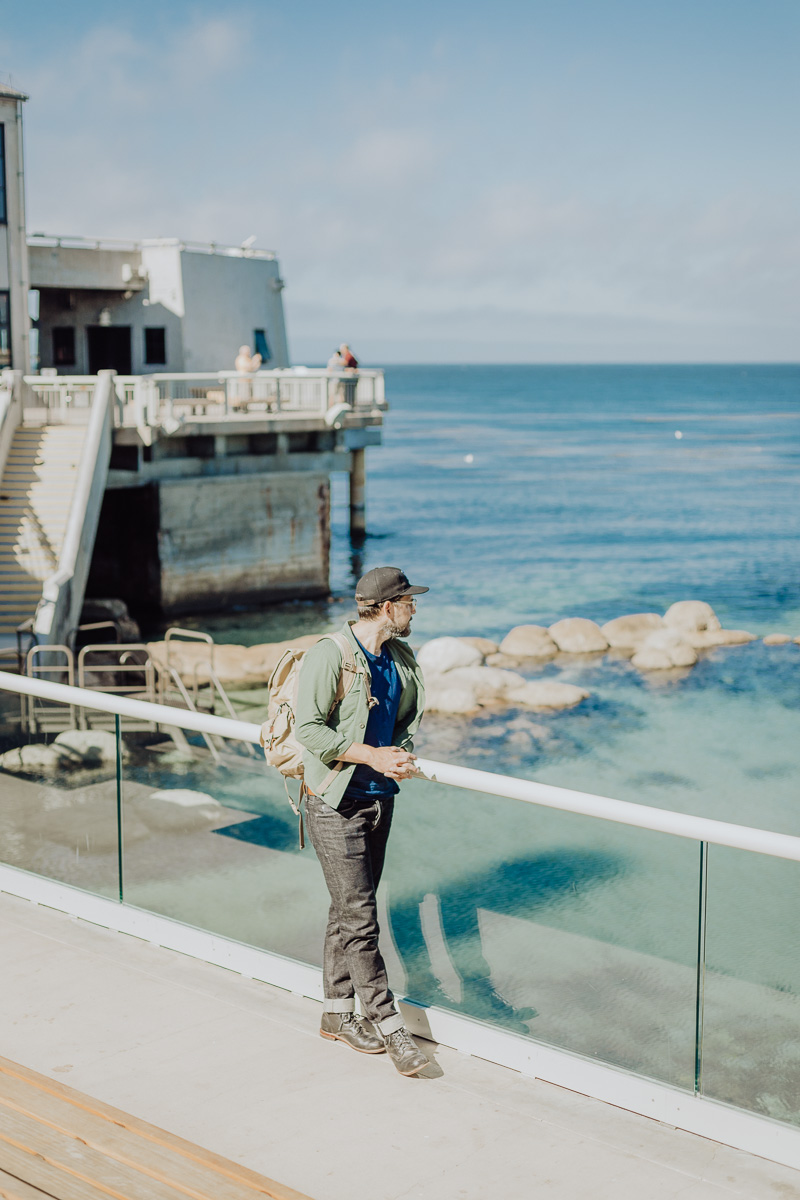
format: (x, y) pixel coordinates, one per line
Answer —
(58, 793)
(210, 839)
(578, 932)
(751, 1030)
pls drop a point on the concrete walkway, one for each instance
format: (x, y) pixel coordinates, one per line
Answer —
(238, 1067)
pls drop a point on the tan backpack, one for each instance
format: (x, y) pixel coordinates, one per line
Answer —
(281, 748)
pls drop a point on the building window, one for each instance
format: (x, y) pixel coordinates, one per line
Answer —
(3, 209)
(155, 344)
(63, 346)
(5, 330)
(261, 345)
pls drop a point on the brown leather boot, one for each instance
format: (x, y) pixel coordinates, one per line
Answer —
(350, 1029)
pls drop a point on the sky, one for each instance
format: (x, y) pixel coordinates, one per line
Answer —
(571, 181)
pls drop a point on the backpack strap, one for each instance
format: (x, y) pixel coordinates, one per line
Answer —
(348, 673)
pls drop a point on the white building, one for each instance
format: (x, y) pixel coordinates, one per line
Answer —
(159, 305)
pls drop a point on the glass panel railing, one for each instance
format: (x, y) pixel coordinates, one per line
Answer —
(586, 934)
(58, 793)
(751, 1026)
(209, 839)
(578, 932)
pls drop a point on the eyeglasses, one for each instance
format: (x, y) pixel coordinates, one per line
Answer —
(409, 600)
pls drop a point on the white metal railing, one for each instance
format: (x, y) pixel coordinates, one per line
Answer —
(10, 412)
(62, 593)
(165, 397)
(77, 242)
(623, 812)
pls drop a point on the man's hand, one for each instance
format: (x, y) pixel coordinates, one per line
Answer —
(396, 764)
(386, 760)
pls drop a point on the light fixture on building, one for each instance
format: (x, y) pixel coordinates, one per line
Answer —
(105, 317)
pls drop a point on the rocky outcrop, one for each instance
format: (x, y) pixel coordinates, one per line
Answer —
(446, 654)
(72, 749)
(707, 639)
(458, 682)
(577, 635)
(89, 746)
(777, 639)
(548, 693)
(528, 641)
(628, 633)
(692, 616)
(485, 645)
(442, 697)
(663, 649)
(237, 667)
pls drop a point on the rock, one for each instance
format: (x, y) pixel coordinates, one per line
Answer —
(664, 648)
(261, 660)
(625, 633)
(487, 684)
(445, 654)
(485, 645)
(719, 637)
(504, 661)
(90, 746)
(547, 693)
(777, 639)
(692, 616)
(36, 759)
(652, 660)
(528, 641)
(235, 666)
(576, 635)
(454, 700)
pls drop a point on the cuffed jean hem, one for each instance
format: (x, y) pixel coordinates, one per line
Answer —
(339, 1006)
(390, 1024)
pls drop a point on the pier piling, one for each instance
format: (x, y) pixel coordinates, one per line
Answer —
(358, 491)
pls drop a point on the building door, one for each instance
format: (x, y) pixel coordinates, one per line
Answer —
(109, 348)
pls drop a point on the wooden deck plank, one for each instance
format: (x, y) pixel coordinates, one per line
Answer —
(12, 1188)
(49, 1178)
(70, 1154)
(119, 1155)
(118, 1143)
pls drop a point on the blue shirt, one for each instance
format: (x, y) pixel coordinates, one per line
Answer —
(366, 784)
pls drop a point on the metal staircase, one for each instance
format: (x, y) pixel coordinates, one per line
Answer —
(36, 492)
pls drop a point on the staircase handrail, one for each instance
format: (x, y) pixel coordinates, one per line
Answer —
(10, 411)
(61, 600)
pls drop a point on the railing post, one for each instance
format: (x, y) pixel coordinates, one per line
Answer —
(702, 921)
(118, 733)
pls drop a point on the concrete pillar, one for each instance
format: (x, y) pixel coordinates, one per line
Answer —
(358, 492)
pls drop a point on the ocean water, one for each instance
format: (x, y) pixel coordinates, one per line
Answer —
(527, 494)
(531, 493)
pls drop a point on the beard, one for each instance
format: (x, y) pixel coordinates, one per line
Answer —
(395, 630)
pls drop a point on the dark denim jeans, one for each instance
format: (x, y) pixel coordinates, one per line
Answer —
(351, 846)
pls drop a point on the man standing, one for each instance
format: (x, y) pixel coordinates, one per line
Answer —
(355, 752)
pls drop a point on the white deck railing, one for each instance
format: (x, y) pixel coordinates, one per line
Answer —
(164, 397)
(642, 816)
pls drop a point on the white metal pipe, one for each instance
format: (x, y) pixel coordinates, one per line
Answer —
(660, 820)
(641, 816)
(160, 714)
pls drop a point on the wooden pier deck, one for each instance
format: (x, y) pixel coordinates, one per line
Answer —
(59, 1144)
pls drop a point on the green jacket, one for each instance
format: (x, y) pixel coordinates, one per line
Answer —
(324, 737)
